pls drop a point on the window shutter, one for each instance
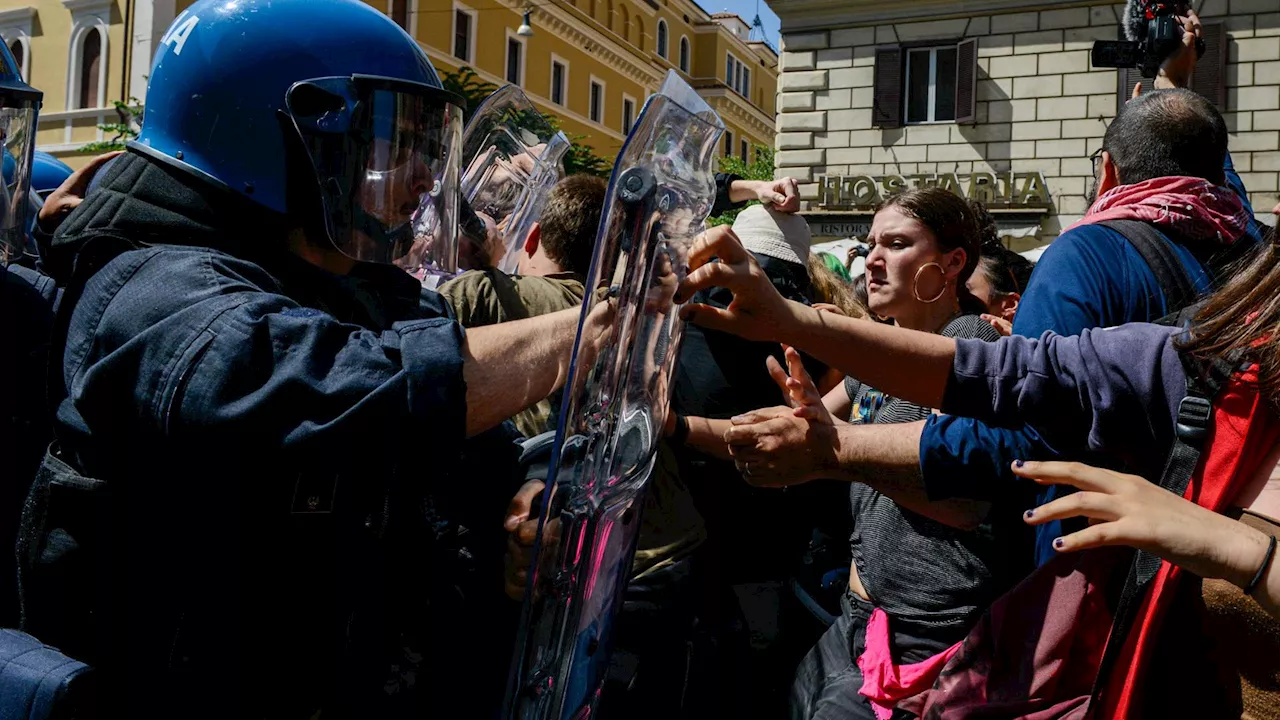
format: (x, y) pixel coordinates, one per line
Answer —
(887, 109)
(1126, 78)
(1210, 77)
(967, 81)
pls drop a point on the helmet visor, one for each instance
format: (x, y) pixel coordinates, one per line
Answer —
(385, 154)
(17, 142)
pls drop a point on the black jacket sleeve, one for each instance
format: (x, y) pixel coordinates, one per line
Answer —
(723, 203)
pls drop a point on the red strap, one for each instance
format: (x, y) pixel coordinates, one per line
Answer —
(1243, 432)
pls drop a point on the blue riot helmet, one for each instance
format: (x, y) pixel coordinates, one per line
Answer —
(19, 108)
(47, 173)
(270, 99)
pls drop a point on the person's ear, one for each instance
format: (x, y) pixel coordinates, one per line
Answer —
(532, 239)
(1009, 306)
(1110, 174)
(953, 263)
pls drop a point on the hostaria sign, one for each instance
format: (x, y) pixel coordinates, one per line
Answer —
(996, 190)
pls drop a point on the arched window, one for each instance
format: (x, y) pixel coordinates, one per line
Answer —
(15, 47)
(662, 38)
(684, 54)
(639, 41)
(90, 68)
(624, 26)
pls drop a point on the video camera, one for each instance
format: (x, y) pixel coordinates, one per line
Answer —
(1154, 33)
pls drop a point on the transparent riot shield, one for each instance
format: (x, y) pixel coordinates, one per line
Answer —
(19, 108)
(511, 158)
(614, 408)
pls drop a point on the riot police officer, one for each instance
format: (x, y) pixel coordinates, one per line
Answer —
(261, 409)
(25, 319)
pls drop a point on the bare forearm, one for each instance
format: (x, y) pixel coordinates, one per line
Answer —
(918, 365)
(707, 436)
(511, 366)
(1246, 553)
(742, 191)
(887, 458)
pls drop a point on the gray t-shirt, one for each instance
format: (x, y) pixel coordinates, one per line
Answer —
(917, 570)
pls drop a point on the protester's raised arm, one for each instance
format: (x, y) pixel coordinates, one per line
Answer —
(921, 361)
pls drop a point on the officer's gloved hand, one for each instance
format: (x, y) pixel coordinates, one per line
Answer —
(70, 193)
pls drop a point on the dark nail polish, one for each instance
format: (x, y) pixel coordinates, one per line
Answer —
(1019, 463)
(1029, 514)
(1058, 543)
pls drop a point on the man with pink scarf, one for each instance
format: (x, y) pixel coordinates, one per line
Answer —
(1163, 161)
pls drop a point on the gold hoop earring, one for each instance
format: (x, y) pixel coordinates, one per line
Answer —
(915, 284)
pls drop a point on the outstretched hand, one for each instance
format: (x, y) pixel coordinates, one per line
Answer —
(758, 310)
(781, 446)
(798, 388)
(1128, 510)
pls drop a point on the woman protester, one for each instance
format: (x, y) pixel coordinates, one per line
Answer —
(931, 580)
(1113, 394)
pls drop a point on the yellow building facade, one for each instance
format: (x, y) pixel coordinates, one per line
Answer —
(589, 63)
(84, 55)
(592, 63)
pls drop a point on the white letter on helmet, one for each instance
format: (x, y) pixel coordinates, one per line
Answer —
(178, 32)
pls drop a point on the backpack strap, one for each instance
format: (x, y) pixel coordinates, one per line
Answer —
(1195, 413)
(1182, 318)
(1153, 246)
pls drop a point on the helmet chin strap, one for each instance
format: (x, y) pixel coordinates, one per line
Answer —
(387, 240)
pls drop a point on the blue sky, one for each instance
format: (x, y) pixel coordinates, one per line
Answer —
(747, 9)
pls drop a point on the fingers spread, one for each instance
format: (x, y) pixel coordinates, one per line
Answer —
(776, 372)
(1102, 535)
(1077, 475)
(711, 318)
(712, 275)
(718, 242)
(1095, 506)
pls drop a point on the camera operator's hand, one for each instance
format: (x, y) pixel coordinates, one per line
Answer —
(1177, 70)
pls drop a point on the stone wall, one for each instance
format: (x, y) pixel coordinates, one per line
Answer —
(1041, 107)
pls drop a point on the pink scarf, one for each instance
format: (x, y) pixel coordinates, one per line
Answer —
(1194, 208)
(883, 682)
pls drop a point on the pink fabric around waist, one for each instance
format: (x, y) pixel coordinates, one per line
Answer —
(884, 683)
